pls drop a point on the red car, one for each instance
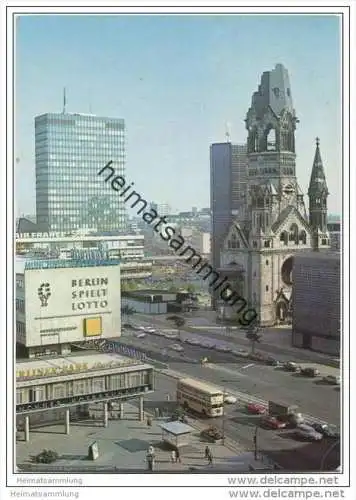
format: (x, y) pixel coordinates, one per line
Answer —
(272, 423)
(256, 409)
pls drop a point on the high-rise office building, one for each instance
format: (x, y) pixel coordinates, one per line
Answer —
(228, 179)
(70, 150)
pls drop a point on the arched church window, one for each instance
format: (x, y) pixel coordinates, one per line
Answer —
(293, 234)
(284, 237)
(271, 140)
(303, 237)
(255, 141)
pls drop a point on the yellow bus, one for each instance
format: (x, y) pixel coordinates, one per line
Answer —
(200, 397)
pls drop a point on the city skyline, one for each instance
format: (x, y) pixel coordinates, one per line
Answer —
(176, 97)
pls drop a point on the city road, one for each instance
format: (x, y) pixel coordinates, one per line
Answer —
(242, 375)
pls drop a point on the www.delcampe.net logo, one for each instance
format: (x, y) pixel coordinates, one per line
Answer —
(44, 293)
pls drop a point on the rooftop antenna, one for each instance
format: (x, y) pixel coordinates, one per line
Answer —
(227, 132)
(64, 100)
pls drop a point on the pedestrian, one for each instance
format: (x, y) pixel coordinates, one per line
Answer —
(210, 458)
(207, 452)
(174, 456)
(178, 456)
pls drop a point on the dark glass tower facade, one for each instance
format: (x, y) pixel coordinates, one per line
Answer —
(70, 150)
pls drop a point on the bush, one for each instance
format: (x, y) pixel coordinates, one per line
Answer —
(212, 433)
(46, 457)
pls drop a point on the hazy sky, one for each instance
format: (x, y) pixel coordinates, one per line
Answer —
(176, 80)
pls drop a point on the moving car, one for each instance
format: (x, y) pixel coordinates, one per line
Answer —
(140, 335)
(291, 367)
(307, 432)
(177, 347)
(309, 372)
(270, 422)
(256, 409)
(171, 335)
(331, 379)
(229, 399)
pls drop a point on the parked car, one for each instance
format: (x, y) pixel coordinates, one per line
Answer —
(291, 367)
(270, 422)
(226, 348)
(222, 348)
(149, 329)
(177, 347)
(307, 432)
(309, 372)
(229, 399)
(256, 409)
(192, 341)
(326, 430)
(239, 352)
(272, 361)
(331, 379)
(208, 345)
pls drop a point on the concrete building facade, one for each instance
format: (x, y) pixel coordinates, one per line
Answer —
(317, 301)
(60, 302)
(228, 178)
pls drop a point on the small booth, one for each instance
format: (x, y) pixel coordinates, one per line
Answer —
(176, 433)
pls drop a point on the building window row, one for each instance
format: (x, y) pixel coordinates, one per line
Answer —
(20, 305)
(82, 387)
(20, 327)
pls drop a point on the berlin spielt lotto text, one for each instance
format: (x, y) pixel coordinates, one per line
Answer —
(247, 315)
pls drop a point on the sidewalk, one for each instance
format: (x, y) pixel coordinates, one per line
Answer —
(123, 444)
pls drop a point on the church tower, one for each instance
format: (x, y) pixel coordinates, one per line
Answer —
(271, 124)
(318, 193)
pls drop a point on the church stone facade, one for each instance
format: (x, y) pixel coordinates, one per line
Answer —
(257, 251)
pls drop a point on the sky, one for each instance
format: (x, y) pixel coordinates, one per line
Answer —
(177, 80)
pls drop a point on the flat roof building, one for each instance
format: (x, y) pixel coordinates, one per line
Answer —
(70, 150)
(59, 387)
(60, 302)
(316, 302)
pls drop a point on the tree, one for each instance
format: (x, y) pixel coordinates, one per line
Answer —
(127, 311)
(178, 321)
(191, 288)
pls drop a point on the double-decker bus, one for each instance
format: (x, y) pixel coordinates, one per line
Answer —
(200, 397)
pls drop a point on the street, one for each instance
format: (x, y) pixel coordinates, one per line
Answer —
(279, 445)
(239, 374)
